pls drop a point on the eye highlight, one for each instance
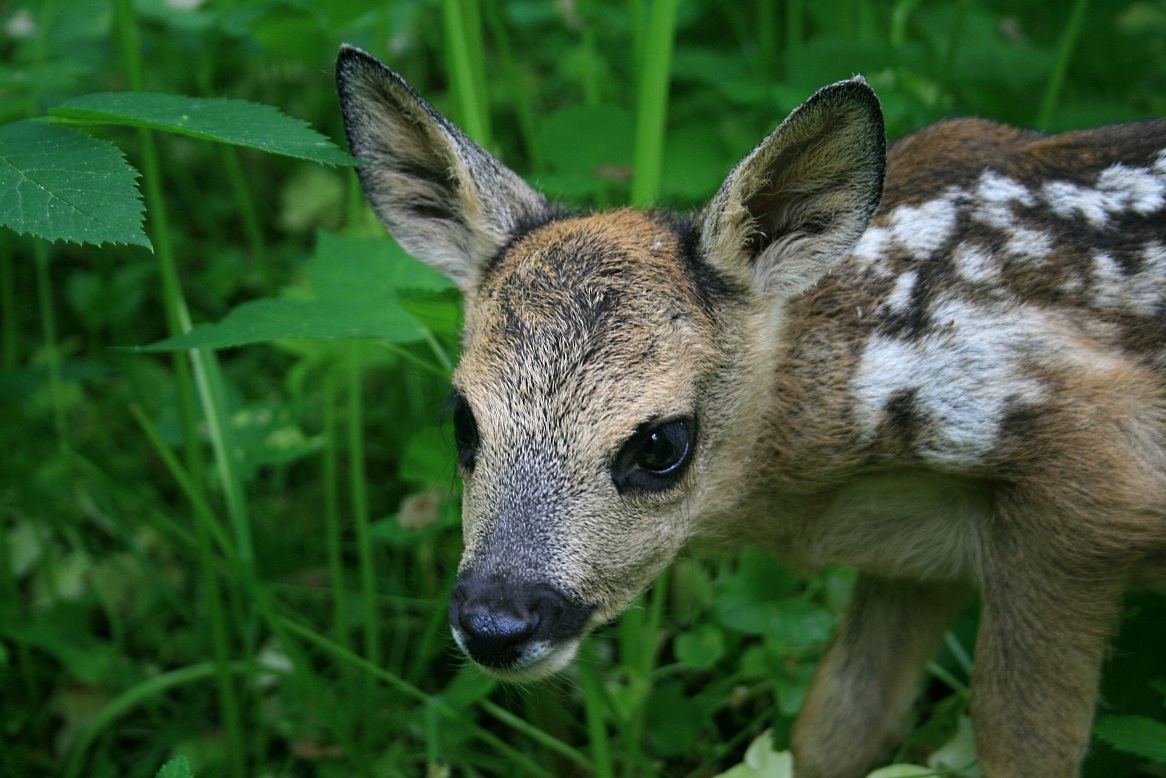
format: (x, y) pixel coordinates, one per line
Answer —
(465, 431)
(655, 457)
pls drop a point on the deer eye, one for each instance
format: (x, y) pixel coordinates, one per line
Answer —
(655, 456)
(465, 431)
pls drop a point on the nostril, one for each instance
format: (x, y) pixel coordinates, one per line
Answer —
(498, 626)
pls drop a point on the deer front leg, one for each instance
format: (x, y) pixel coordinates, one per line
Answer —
(870, 673)
(1038, 660)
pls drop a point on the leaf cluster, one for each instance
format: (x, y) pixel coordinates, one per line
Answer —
(228, 507)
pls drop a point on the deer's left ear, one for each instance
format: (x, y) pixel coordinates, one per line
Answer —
(799, 202)
(442, 196)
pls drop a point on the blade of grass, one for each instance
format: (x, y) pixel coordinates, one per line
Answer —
(795, 15)
(152, 687)
(595, 713)
(463, 24)
(409, 690)
(206, 525)
(1064, 56)
(652, 98)
(9, 311)
(48, 320)
(342, 720)
(536, 734)
(768, 54)
(359, 496)
(178, 321)
(332, 529)
(518, 93)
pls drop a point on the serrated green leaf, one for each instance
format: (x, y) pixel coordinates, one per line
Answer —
(355, 283)
(237, 122)
(60, 183)
(178, 767)
(1135, 734)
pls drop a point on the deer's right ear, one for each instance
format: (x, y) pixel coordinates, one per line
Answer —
(442, 196)
(799, 202)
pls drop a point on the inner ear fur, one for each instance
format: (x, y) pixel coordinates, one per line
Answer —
(440, 194)
(800, 201)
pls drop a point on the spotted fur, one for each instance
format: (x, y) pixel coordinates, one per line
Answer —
(962, 393)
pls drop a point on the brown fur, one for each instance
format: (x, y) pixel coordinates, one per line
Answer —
(965, 395)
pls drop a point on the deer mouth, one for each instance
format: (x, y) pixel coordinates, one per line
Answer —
(516, 631)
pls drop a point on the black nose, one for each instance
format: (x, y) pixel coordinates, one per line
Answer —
(505, 624)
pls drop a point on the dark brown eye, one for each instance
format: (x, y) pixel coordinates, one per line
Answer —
(655, 456)
(465, 432)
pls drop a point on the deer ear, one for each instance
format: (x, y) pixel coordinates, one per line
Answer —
(799, 202)
(442, 196)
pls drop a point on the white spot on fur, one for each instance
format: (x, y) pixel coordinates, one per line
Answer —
(1119, 189)
(872, 247)
(926, 228)
(899, 299)
(1028, 244)
(1140, 293)
(996, 189)
(1069, 200)
(994, 198)
(964, 376)
(1107, 281)
(975, 263)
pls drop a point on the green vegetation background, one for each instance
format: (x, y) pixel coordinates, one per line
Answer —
(242, 556)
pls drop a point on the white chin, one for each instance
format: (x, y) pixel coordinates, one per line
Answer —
(541, 660)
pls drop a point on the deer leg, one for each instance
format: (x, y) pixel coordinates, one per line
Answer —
(1039, 654)
(870, 674)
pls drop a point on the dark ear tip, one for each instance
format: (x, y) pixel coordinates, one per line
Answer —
(853, 89)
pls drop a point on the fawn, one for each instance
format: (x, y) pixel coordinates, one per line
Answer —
(941, 365)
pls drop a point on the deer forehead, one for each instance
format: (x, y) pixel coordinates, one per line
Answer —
(593, 320)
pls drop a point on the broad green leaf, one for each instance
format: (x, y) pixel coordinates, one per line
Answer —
(762, 761)
(355, 282)
(1135, 734)
(60, 183)
(702, 647)
(237, 122)
(958, 755)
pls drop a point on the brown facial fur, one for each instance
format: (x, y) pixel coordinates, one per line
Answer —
(548, 338)
(965, 395)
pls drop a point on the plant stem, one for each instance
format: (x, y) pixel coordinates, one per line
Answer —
(518, 758)
(332, 528)
(359, 495)
(767, 54)
(467, 67)
(249, 216)
(48, 319)
(594, 712)
(652, 98)
(519, 95)
(136, 695)
(794, 23)
(9, 312)
(178, 321)
(1061, 67)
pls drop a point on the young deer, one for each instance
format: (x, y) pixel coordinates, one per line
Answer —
(961, 392)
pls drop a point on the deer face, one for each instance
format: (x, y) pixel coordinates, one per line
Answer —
(580, 434)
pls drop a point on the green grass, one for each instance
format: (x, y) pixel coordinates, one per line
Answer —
(242, 556)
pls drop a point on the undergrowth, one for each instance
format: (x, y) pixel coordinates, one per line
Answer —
(231, 552)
